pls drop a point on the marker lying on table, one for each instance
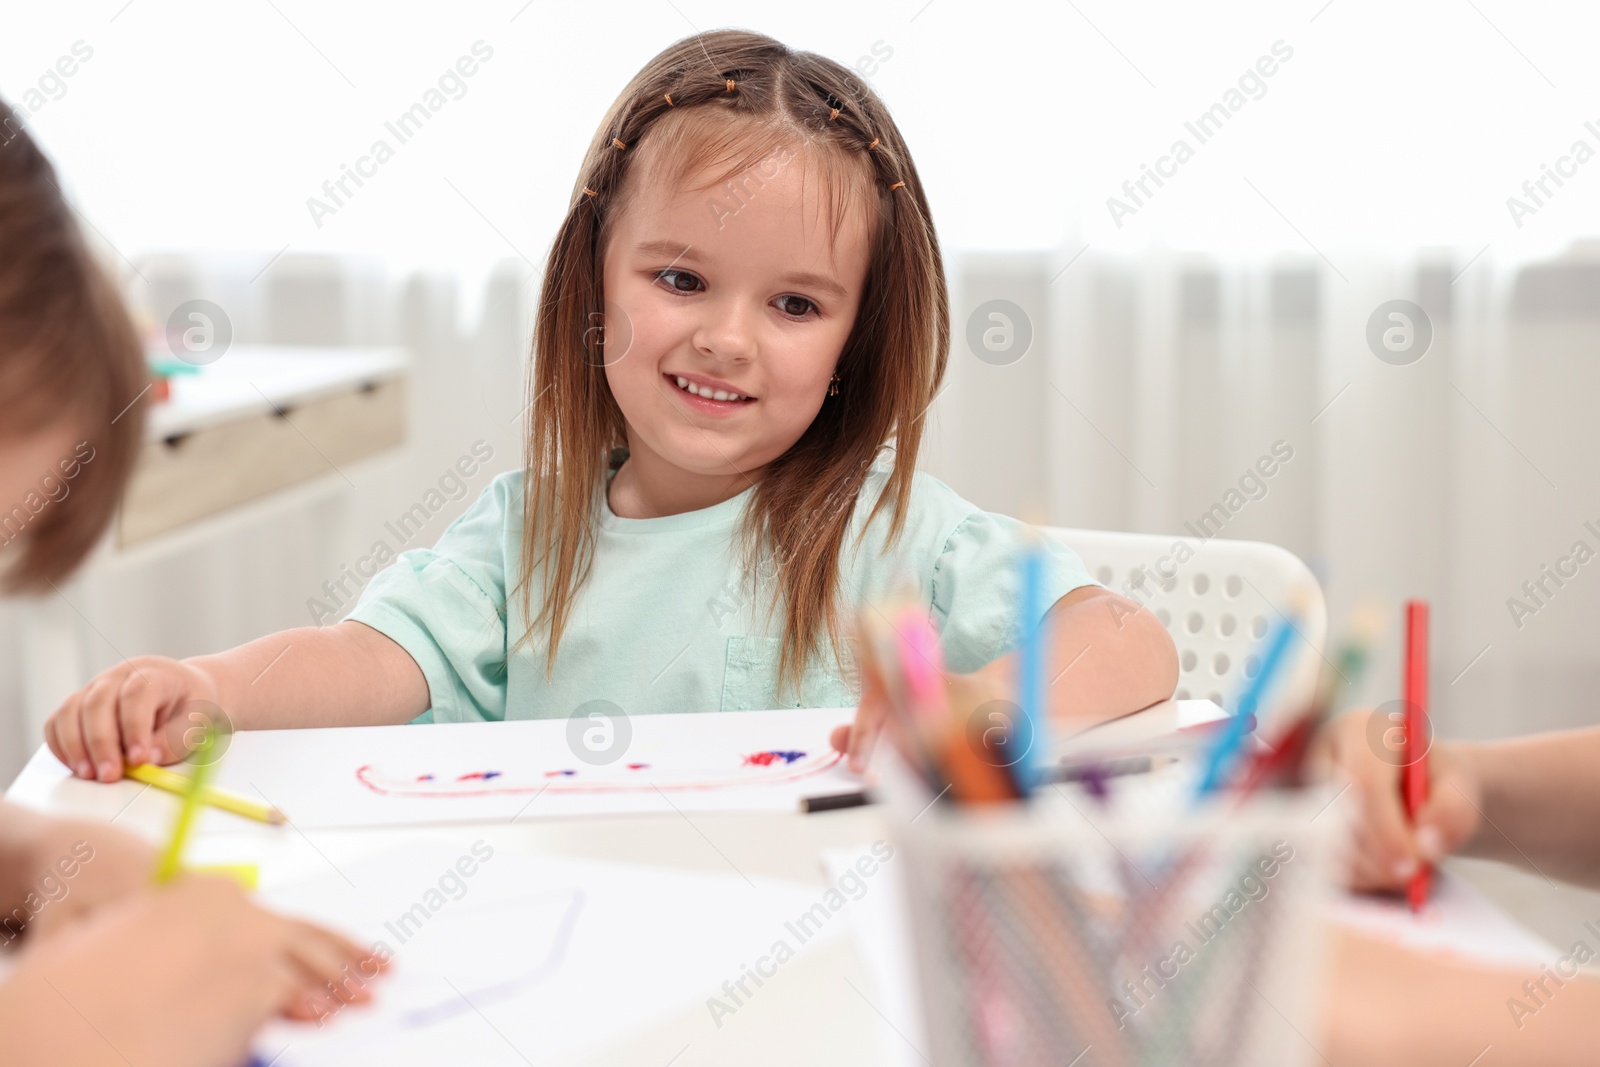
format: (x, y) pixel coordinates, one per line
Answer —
(173, 782)
(1060, 773)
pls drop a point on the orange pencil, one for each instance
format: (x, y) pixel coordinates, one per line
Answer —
(1414, 779)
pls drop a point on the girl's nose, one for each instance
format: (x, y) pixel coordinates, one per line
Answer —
(727, 328)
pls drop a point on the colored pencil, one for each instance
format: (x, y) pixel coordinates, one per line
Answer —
(172, 856)
(1414, 781)
(1223, 750)
(1282, 761)
(835, 801)
(173, 782)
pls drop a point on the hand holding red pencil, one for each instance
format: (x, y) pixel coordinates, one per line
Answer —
(1362, 746)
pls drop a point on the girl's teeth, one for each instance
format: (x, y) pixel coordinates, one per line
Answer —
(700, 390)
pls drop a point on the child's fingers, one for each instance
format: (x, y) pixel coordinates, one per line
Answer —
(870, 716)
(69, 734)
(102, 730)
(322, 964)
(869, 720)
(64, 737)
(1446, 822)
(53, 742)
(1386, 841)
(140, 700)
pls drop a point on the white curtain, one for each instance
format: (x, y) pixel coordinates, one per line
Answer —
(1156, 383)
(1153, 387)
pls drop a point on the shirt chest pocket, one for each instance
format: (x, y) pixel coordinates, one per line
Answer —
(750, 679)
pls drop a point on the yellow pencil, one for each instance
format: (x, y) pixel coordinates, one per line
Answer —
(173, 782)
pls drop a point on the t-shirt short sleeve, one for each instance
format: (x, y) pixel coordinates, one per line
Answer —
(977, 587)
(446, 606)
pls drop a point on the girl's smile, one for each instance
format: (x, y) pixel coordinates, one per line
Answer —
(709, 395)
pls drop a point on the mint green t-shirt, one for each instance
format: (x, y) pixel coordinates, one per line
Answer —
(665, 621)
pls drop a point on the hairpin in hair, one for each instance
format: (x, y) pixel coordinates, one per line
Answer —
(669, 99)
(895, 186)
(729, 84)
(618, 143)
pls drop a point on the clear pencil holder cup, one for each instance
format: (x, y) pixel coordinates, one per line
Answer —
(1138, 932)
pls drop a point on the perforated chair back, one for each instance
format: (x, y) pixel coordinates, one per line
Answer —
(1218, 599)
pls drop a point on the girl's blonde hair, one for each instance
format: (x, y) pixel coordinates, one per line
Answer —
(728, 100)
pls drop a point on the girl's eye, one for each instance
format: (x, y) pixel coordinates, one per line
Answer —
(797, 306)
(680, 281)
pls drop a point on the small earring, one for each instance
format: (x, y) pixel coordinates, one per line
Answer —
(833, 386)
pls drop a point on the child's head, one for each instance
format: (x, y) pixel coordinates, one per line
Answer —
(71, 374)
(747, 217)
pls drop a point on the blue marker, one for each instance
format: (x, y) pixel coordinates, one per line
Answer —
(1220, 759)
(1031, 686)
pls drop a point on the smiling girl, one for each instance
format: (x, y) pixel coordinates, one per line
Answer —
(743, 322)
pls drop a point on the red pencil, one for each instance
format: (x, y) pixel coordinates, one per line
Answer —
(1414, 780)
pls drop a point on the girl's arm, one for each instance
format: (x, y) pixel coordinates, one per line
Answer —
(1539, 799)
(140, 710)
(1108, 657)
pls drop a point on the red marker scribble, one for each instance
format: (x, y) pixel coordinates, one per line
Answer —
(769, 767)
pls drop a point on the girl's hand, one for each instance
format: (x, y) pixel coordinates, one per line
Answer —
(130, 714)
(964, 693)
(1388, 848)
(106, 865)
(180, 975)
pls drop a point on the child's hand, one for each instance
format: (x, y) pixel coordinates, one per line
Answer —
(964, 693)
(857, 740)
(128, 714)
(1388, 848)
(107, 864)
(180, 975)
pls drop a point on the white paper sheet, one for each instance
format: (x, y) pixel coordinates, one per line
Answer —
(1457, 920)
(533, 958)
(541, 768)
(883, 934)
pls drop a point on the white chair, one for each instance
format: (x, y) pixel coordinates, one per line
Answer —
(1218, 599)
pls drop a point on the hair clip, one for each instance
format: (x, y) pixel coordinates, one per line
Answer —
(618, 143)
(833, 114)
(589, 192)
(873, 145)
(729, 83)
(895, 186)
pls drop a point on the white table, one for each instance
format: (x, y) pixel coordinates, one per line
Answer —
(816, 1011)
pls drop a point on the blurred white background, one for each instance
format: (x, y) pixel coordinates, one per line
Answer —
(1170, 351)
